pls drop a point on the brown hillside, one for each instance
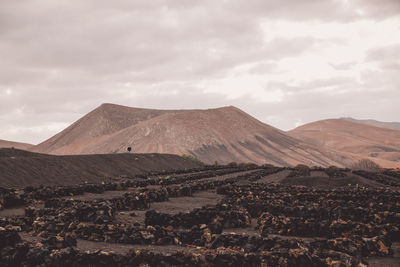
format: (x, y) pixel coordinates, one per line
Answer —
(20, 168)
(104, 120)
(10, 144)
(390, 125)
(360, 140)
(224, 135)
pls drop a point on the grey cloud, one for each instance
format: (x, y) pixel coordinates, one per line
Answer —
(381, 9)
(295, 10)
(343, 66)
(395, 66)
(316, 10)
(119, 43)
(108, 42)
(384, 53)
(63, 58)
(387, 57)
(112, 39)
(335, 83)
(262, 68)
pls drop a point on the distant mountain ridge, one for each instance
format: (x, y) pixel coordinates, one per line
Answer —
(18, 145)
(389, 125)
(359, 140)
(222, 134)
(102, 121)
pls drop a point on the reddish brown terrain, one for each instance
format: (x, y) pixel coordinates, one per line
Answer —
(10, 144)
(224, 134)
(101, 122)
(389, 125)
(381, 145)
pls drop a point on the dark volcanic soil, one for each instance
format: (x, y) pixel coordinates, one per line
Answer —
(186, 204)
(393, 261)
(220, 216)
(20, 168)
(350, 180)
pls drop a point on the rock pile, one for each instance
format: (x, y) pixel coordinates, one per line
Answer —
(255, 224)
(334, 172)
(300, 171)
(9, 198)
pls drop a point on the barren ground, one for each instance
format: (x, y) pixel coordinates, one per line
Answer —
(302, 220)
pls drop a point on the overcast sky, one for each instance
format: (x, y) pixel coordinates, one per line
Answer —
(285, 62)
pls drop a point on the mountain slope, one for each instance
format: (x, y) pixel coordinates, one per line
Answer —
(224, 135)
(20, 168)
(389, 125)
(360, 140)
(18, 145)
(102, 121)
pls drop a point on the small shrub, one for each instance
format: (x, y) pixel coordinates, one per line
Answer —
(267, 165)
(247, 165)
(192, 158)
(302, 166)
(334, 172)
(316, 168)
(300, 170)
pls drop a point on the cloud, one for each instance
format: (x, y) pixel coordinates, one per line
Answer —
(387, 57)
(60, 59)
(315, 10)
(384, 53)
(378, 9)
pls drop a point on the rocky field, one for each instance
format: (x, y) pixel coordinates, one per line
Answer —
(212, 216)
